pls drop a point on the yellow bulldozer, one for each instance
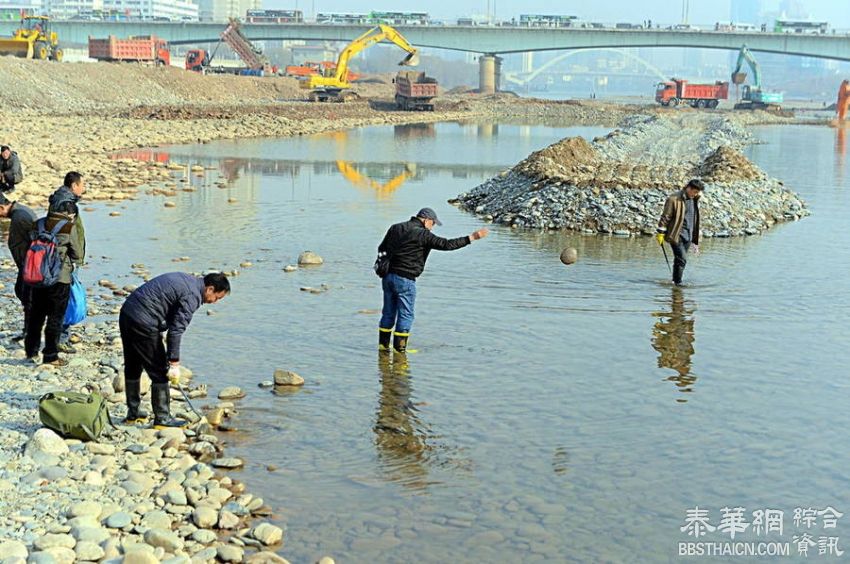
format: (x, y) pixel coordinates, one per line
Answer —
(33, 40)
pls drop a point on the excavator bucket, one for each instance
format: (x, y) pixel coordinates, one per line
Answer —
(739, 77)
(411, 60)
(16, 47)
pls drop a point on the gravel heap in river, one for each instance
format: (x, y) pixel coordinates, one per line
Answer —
(618, 184)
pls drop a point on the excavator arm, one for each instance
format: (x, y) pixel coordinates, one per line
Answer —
(375, 35)
(738, 77)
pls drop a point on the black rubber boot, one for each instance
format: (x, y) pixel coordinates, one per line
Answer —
(400, 342)
(132, 391)
(161, 400)
(384, 336)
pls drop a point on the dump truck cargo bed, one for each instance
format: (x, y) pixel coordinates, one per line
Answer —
(141, 49)
(414, 91)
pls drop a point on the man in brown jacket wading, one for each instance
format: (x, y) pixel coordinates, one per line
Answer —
(679, 225)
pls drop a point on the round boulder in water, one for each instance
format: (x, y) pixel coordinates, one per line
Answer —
(569, 255)
(309, 258)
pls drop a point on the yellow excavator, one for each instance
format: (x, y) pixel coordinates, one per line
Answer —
(33, 40)
(333, 86)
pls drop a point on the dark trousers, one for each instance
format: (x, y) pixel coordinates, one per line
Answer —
(24, 295)
(143, 350)
(680, 254)
(47, 304)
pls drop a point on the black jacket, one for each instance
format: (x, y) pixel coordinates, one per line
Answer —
(11, 170)
(22, 220)
(409, 243)
(166, 303)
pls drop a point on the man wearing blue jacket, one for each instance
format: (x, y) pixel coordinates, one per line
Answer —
(165, 303)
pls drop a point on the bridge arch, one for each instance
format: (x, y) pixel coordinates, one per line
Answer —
(522, 79)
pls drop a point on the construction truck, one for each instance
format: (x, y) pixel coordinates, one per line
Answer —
(33, 40)
(678, 91)
(333, 86)
(753, 97)
(145, 49)
(256, 64)
(414, 91)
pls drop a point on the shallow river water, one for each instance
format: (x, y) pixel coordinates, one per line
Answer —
(552, 413)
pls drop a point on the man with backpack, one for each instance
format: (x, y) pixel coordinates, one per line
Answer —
(11, 172)
(407, 246)
(54, 253)
(68, 196)
(21, 220)
(164, 303)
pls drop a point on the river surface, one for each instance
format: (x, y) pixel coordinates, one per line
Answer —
(552, 413)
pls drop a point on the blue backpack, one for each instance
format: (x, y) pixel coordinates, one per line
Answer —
(43, 264)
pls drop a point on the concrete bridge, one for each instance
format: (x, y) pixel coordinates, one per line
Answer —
(489, 41)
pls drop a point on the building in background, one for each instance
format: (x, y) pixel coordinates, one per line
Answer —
(221, 10)
(13, 10)
(162, 10)
(67, 9)
(171, 10)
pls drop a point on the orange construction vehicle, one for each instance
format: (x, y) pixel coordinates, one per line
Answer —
(678, 91)
(323, 68)
(256, 64)
(843, 100)
(144, 49)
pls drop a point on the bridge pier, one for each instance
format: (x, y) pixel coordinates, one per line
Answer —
(489, 73)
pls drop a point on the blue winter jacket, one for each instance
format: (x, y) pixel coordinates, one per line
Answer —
(166, 303)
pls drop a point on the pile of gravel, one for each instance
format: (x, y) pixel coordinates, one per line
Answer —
(618, 184)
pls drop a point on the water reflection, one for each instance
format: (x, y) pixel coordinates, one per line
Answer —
(673, 337)
(399, 434)
(840, 147)
(561, 461)
(409, 453)
(384, 190)
(415, 131)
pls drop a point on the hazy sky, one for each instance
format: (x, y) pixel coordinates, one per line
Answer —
(662, 11)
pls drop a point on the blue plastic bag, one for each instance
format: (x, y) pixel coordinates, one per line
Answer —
(77, 310)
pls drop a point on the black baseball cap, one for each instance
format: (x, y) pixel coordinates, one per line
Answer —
(428, 213)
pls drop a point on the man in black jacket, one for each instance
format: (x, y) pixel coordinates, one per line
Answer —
(21, 222)
(10, 169)
(164, 303)
(407, 246)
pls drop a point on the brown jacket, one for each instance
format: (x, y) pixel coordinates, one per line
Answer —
(673, 217)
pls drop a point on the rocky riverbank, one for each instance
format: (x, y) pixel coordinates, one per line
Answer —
(618, 184)
(137, 495)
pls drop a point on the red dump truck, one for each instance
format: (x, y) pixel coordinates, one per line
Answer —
(414, 91)
(678, 91)
(144, 49)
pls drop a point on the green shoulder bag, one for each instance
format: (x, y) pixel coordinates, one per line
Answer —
(76, 415)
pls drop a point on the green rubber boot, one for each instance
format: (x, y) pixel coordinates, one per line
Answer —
(161, 400)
